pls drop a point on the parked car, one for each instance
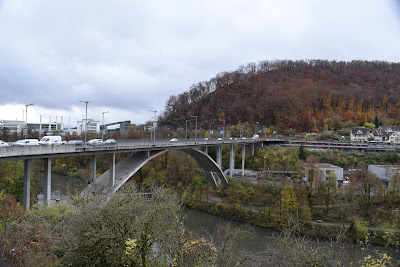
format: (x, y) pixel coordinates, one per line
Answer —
(173, 140)
(52, 140)
(110, 142)
(75, 142)
(2, 143)
(26, 142)
(95, 142)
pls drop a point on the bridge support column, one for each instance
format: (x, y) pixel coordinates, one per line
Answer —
(206, 150)
(243, 157)
(219, 156)
(147, 153)
(47, 181)
(93, 169)
(232, 160)
(252, 149)
(112, 169)
(27, 184)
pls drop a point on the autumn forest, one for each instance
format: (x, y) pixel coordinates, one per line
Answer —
(303, 95)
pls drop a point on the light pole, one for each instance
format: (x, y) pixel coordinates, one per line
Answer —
(26, 118)
(102, 133)
(86, 102)
(195, 137)
(186, 121)
(154, 123)
(210, 127)
(223, 129)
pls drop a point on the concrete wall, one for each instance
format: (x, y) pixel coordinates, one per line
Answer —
(13, 151)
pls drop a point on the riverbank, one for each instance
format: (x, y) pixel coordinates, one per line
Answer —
(353, 231)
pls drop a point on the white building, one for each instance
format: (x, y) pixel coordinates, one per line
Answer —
(384, 172)
(12, 126)
(92, 126)
(324, 171)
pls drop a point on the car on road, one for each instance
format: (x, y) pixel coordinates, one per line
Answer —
(2, 143)
(52, 140)
(219, 139)
(26, 142)
(95, 142)
(110, 142)
(173, 140)
(75, 142)
(206, 139)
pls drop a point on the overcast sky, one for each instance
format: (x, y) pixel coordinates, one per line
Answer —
(129, 57)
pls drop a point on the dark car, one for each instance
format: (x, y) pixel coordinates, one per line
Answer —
(110, 142)
(75, 142)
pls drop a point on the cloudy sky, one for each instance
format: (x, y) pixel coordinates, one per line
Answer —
(129, 57)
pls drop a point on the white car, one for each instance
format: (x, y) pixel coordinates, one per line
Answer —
(110, 142)
(206, 139)
(95, 142)
(219, 139)
(26, 142)
(2, 143)
(173, 140)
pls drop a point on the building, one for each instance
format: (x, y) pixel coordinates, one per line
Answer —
(12, 126)
(391, 137)
(92, 126)
(324, 172)
(385, 172)
(117, 127)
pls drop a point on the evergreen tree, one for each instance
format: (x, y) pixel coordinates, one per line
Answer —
(302, 153)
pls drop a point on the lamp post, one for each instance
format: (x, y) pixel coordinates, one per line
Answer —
(102, 133)
(86, 102)
(210, 127)
(154, 123)
(195, 137)
(26, 118)
(223, 129)
(186, 121)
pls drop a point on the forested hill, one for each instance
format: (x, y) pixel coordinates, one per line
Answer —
(303, 95)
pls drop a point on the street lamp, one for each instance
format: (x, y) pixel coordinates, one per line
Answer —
(154, 123)
(195, 138)
(86, 102)
(102, 133)
(223, 130)
(210, 128)
(186, 121)
(26, 117)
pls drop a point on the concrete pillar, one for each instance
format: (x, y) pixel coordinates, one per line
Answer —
(219, 156)
(206, 150)
(112, 169)
(252, 149)
(27, 184)
(232, 160)
(93, 172)
(147, 153)
(243, 157)
(47, 181)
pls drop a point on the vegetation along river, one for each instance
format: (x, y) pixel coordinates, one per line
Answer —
(208, 225)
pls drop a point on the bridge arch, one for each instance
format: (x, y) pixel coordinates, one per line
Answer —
(131, 165)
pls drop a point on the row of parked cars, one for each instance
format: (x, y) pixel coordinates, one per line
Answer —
(56, 140)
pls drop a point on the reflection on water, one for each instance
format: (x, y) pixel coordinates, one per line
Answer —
(206, 224)
(61, 186)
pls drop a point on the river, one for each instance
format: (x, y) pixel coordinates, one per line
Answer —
(206, 224)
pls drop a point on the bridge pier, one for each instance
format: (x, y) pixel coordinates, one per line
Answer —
(27, 184)
(243, 157)
(112, 169)
(252, 149)
(93, 169)
(47, 181)
(206, 149)
(219, 156)
(232, 160)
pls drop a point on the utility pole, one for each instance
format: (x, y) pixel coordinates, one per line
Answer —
(86, 102)
(154, 123)
(210, 127)
(195, 137)
(223, 129)
(26, 117)
(102, 133)
(186, 121)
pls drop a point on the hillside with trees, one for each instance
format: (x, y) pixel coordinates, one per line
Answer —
(306, 95)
